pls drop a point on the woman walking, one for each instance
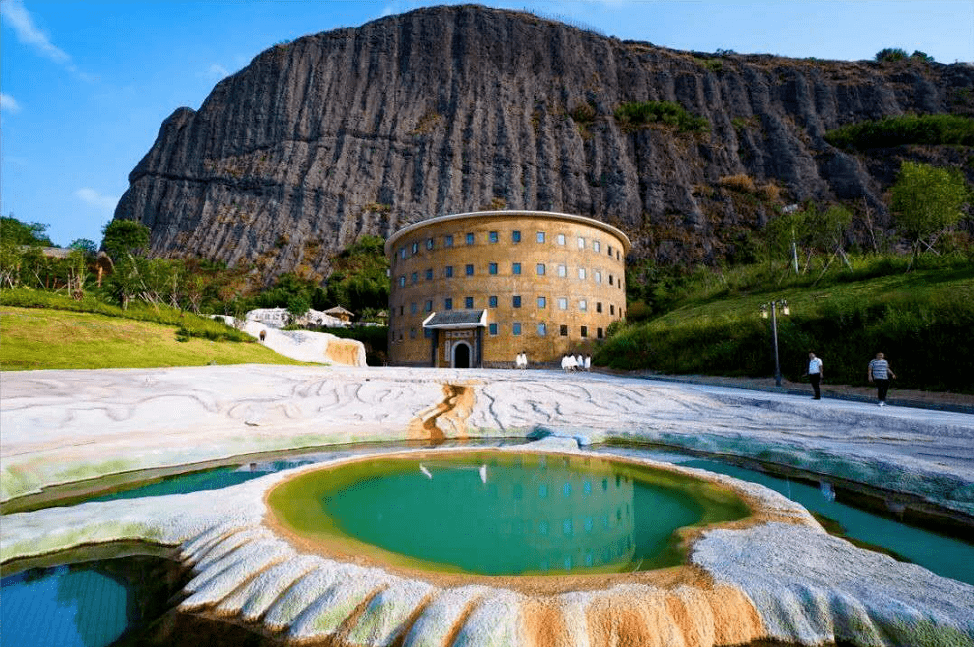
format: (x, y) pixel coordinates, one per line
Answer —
(881, 373)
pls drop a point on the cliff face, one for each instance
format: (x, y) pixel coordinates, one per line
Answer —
(455, 109)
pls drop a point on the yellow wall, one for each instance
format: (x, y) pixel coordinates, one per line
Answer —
(408, 345)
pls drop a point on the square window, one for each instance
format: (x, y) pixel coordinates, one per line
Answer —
(562, 270)
(599, 335)
(448, 271)
(516, 328)
(542, 329)
(562, 303)
(596, 246)
(414, 278)
(515, 268)
(469, 269)
(542, 302)
(516, 236)
(598, 306)
(539, 268)
(492, 328)
(584, 331)
(516, 301)
(581, 273)
(429, 274)
(581, 243)
(448, 303)
(583, 305)
(540, 237)
(563, 330)
(493, 237)
(468, 303)
(448, 240)
(561, 239)
(470, 239)
(429, 243)
(492, 268)
(428, 307)
(492, 302)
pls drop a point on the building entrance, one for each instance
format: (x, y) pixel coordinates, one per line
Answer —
(461, 355)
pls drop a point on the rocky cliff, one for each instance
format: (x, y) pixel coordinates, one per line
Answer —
(454, 109)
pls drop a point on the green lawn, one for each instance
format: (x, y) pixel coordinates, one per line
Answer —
(35, 338)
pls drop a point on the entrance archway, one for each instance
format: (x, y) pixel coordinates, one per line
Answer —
(461, 355)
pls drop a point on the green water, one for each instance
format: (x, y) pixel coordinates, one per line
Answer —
(492, 513)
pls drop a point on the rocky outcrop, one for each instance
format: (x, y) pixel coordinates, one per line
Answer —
(453, 109)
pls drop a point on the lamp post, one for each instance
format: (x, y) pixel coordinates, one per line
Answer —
(774, 305)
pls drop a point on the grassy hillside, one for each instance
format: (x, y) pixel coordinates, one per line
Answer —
(36, 338)
(921, 320)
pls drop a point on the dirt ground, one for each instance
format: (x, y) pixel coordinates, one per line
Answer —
(961, 402)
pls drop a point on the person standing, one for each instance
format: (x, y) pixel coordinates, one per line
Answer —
(815, 374)
(880, 373)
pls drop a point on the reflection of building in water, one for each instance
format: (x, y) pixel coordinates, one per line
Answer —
(556, 513)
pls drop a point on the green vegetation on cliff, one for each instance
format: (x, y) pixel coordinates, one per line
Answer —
(931, 130)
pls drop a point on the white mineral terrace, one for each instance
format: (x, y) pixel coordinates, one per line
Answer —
(782, 579)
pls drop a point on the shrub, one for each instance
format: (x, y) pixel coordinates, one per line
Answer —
(637, 114)
(740, 183)
(909, 129)
(890, 55)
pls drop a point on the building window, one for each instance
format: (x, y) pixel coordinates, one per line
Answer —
(492, 328)
(598, 306)
(583, 305)
(598, 277)
(429, 243)
(562, 270)
(469, 269)
(412, 333)
(540, 237)
(539, 268)
(596, 246)
(401, 309)
(493, 237)
(516, 301)
(562, 303)
(612, 309)
(448, 271)
(448, 240)
(581, 273)
(429, 306)
(516, 236)
(468, 303)
(448, 303)
(561, 239)
(609, 250)
(415, 248)
(414, 278)
(428, 333)
(617, 255)
(584, 331)
(413, 308)
(610, 279)
(542, 329)
(542, 302)
(516, 328)
(402, 253)
(492, 268)
(599, 333)
(492, 302)
(402, 281)
(581, 243)
(515, 268)
(429, 274)
(470, 239)
(563, 330)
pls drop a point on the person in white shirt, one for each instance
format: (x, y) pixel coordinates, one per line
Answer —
(815, 374)
(588, 363)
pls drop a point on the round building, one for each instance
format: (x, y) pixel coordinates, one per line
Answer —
(475, 289)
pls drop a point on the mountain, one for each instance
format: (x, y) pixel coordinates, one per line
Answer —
(453, 109)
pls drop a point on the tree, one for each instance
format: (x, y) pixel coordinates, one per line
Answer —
(85, 245)
(121, 237)
(15, 232)
(926, 200)
(890, 55)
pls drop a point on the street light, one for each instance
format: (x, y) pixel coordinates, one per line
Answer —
(783, 304)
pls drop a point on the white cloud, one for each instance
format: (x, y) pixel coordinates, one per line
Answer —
(105, 203)
(8, 103)
(16, 15)
(217, 71)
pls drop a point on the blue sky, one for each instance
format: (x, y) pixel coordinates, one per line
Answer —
(84, 85)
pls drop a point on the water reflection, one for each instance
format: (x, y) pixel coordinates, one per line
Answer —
(515, 514)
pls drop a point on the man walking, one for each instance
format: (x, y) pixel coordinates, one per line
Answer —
(880, 373)
(815, 374)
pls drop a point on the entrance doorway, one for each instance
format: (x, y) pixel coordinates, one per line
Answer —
(461, 355)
